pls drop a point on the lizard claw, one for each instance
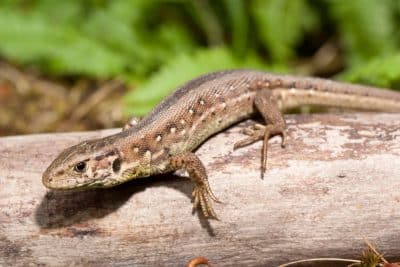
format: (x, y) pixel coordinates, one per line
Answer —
(202, 197)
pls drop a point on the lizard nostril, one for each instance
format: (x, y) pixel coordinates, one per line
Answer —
(46, 179)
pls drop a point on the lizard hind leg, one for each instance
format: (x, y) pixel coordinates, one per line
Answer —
(202, 194)
(266, 105)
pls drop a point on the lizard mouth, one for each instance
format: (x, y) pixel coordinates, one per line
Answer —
(71, 184)
(66, 184)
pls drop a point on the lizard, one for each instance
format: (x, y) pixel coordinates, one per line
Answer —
(164, 140)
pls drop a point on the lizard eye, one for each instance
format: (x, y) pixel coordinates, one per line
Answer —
(80, 166)
(116, 166)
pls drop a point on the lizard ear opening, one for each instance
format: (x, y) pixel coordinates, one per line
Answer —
(116, 166)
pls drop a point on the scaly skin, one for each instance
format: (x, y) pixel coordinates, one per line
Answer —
(164, 140)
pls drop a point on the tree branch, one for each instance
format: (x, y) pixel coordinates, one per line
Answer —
(336, 182)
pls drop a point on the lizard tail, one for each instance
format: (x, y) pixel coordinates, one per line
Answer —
(321, 92)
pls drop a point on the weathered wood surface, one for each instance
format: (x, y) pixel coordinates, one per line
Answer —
(338, 180)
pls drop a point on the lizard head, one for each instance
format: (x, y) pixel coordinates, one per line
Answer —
(90, 164)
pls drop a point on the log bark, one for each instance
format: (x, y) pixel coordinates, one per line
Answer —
(336, 182)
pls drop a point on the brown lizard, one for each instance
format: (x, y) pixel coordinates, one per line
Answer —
(164, 140)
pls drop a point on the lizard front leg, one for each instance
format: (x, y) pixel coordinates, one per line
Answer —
(202, 194)
(265, 103)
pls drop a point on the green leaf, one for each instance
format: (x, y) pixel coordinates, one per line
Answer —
(238, 21)
(58, 12)
(206, 18)
(281, 25)
(118, 37)
(366, 27)
(59, 49)
(380, 71)
(171, 39)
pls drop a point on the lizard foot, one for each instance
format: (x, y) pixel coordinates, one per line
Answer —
(260, 132)
(254, 132)
(202, 196)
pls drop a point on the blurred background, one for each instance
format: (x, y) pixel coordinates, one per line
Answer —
(80, 65)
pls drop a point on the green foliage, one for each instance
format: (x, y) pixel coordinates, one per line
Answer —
(101, 39)
(182, 68)
(156, 45)
(63, 51)
(239, 25)
(281, 24)
(366, 27)
(381, 71)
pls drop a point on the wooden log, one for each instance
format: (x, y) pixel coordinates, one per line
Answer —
(336, 182)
